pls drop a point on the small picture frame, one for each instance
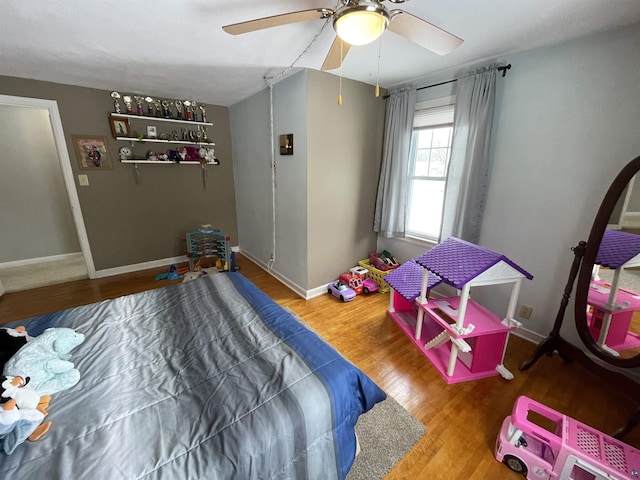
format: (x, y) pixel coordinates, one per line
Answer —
(152, 132)
(120, 127)
(286, 144)
(91, 152)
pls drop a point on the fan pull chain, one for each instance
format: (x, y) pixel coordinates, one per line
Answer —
(379, 54)
(341, 57)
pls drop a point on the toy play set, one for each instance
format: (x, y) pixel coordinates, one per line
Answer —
(544, 444)
(461, 338)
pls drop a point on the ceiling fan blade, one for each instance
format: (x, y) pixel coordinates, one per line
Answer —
(277, 20)
(423, 33)
(333, 59)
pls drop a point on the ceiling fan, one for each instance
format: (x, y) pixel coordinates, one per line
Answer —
(358, 22)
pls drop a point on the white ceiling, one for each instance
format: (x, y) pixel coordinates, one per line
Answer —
(177, 49)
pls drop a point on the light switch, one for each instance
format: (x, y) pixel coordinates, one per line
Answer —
(83, 180)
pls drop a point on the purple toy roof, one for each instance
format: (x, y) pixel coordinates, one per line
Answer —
(458, 262)
(617, 248)
(407, 280)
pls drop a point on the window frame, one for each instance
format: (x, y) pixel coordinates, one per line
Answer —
(424, 110)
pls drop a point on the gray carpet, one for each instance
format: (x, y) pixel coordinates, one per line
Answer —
(386, 434)
(25, 277)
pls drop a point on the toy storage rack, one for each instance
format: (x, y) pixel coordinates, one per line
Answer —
(207, 243)
(611, 306)
(461, 338)
(377, 275)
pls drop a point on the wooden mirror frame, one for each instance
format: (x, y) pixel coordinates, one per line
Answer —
(584, 279)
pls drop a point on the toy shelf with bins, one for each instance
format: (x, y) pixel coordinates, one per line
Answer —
(612, 307)
(461, 338)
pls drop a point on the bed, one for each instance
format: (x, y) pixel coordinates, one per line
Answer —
(204, 379)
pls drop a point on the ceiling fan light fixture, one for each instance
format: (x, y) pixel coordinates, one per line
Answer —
(361, 25)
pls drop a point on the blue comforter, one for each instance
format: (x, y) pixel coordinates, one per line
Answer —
(206, 379)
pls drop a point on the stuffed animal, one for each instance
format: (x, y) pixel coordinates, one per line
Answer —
(18, 425)
(11, 340)
(21, 413)
(15, 388)
(45, 359)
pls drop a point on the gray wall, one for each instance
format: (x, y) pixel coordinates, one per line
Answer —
(345, 150)
(35, 212)
(251, 127)
(566, 122)
(325, 191)
(129, 223)
(290, 116)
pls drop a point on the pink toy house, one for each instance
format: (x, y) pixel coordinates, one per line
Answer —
(461, 338)
(612, 307)
(543, 444)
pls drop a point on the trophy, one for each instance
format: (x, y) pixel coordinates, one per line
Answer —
(127, 103)
(174, 135)
(165, 109)
(139, 104)
(187, 106)
(194, 108)
(158, 105)
(178, 104)
(150, 102)
(204, 115)
(116, 103)
(185, 135)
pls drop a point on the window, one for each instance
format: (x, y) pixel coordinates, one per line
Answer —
(428, 166)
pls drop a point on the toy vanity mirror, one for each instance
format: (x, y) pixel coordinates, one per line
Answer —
(607, 302)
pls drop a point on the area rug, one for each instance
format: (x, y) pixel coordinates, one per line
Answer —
(386, 433)
(25, 277)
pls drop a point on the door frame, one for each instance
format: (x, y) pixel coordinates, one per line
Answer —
(65, 165)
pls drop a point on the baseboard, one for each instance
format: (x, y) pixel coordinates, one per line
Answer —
(108, 272)
(531, 336)
(39, 260)
(277, 275)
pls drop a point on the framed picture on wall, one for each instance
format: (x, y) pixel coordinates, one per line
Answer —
(120, 127)
(91, 152)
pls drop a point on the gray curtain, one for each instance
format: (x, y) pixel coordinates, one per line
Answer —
(470, 164)
(389, 218)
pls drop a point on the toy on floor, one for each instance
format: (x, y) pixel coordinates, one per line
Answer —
(550, 445)
(358, 283)
(461, 338)
(341, 291)
(174, 273)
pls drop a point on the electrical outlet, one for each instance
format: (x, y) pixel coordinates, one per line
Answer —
(525, 311)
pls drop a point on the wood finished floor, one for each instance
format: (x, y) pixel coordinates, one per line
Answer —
(462, 420)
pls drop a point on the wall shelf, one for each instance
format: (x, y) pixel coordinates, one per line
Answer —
(168, 162)
(160, 119)
(157, 140)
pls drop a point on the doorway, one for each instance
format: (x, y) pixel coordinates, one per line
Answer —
(41, 224)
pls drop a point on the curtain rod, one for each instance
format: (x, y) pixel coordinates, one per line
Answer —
(501, 69)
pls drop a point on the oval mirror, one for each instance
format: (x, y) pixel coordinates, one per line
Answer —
(607, 305)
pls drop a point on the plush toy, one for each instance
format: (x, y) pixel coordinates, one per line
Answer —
(21, 413)
(11, 340)
(18, 425)
(45, 359)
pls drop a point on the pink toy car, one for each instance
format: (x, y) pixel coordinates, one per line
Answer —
(550, 445)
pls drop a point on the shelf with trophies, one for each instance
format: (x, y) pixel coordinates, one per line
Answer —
(173, 122)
